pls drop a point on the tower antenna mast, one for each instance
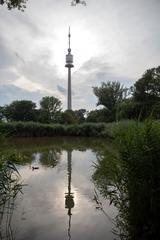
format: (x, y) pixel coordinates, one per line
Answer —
(69, 37)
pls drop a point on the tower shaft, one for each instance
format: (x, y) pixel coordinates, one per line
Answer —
(69, 90)
(69, 65)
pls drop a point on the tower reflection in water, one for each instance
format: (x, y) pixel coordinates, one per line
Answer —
(69, 196)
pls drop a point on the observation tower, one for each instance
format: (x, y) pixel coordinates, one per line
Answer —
(69, 65)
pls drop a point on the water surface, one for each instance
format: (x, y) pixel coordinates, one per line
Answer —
(58, 200)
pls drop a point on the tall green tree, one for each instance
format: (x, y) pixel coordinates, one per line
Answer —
(80, 114)
(110, 95)
(67, 117)
(147, 88)
(49, 107)
(147, 91)
(22, 110)
(100, 115)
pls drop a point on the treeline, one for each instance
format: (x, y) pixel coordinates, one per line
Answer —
(50, 111)
(118, 102)
(140, 101)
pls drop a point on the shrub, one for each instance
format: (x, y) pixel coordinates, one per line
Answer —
(134, 185)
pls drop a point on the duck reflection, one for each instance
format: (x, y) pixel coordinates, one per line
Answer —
(69, 196)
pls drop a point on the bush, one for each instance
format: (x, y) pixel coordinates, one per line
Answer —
(32, 129)
(133, 185)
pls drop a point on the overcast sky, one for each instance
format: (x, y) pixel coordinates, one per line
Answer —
(114, 40)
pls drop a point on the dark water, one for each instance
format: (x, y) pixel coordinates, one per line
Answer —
(58, 199)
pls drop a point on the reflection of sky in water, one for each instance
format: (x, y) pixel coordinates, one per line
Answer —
(40, 212)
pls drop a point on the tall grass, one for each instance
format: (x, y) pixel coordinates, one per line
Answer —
(32, 129)
(134, 186)
(10, 185)
(9, 176)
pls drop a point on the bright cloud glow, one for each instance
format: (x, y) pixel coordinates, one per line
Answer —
(84, 46)
(110, 40)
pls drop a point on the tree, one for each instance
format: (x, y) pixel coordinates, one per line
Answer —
(23, 110)
(80, 114)
(75, 2)
(129, 109)
(146, 91)
(19, 4)
(49, 107)
(147, 88)
(1, 113)
(101, 115)
(110, 95)
(67, 117)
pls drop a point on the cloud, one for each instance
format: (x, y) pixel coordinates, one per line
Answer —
(9, 93)
(6, 56)
(19, 57)
(92, 73)
(111, 41)
(95, 64)
(62, 89)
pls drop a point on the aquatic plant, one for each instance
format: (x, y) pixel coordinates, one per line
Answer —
(10, 183)
(134, 184)
(10, 186)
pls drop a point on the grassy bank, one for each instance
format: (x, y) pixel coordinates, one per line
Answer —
(130, 179)
(32, 129)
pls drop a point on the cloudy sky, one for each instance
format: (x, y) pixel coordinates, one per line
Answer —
(111, 40)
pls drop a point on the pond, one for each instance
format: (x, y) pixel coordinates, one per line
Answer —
(59, 199)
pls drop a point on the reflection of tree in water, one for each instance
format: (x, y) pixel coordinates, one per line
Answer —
(47, 158)
(50, 158)
(131, 181)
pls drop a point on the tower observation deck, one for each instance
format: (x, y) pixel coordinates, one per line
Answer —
(69, 65)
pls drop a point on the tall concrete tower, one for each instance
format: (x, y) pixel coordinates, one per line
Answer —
(69, 65)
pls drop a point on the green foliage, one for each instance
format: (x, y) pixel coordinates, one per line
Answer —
(147, 93)
(9, 180)
(85, 130)
(10, 186)
(147, 88)
(107, 166)
(101, 115)
(1, 113)
(9, 176)
(129, 109)
(49, 108)
(144, 100)
(80, 114)
(134, 184)
(110, 95)
(19, 4)
(32, 129)
(67, 117)
(23, 110)
(35, 129)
